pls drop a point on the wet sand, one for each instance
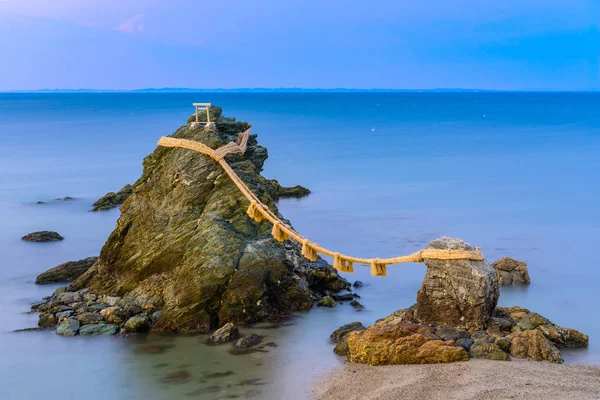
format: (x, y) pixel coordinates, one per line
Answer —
(475, 379)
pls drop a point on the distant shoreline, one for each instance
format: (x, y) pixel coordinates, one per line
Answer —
(293, 90)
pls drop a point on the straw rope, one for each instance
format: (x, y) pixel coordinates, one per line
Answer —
(281, 231)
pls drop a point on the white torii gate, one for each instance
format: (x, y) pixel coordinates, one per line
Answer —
(205, 106)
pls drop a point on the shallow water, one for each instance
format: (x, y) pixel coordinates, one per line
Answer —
(515, 174)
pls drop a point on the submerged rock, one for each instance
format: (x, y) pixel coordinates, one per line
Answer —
(249, 341)
(112, 199)
(460, 293)
(357, 305)
(185, 246)
(277, 191)
(42, 236)
(511, 271)
(226, 333)
(67, 271)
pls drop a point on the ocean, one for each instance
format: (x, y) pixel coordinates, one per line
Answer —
(514, 173)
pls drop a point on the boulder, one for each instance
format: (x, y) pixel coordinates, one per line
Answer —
(249, 341)
(137, 324)
(343, 330)
(42, 236)
(326, 301)
(112, 199)
(67, 271)
(395, 341)
(460, 293)
(511, 271)
(226, 333)
(68, 327)
(561, 337)
(185, 246)
(88, 318)
(487, 348)
(98, 329)
(46, 321)
(68, 297)
(113, 315)
(534, 346)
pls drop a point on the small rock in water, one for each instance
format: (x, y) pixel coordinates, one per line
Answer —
(68, 327)
(249, 341)
(343, 330)
(99, 329)
(511, 271)
(112, 199)
(358, 284)
(343, 297)
(42, 236)
(226, 333)
(326, 301)
(357, 305)
(137, 324)
(67, 271)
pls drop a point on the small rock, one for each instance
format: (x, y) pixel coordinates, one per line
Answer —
(343, 297)
(42, 236)
(68, 327)
(112, 200)
(98, 306)
(326, 301)
(60, 290)
(46, 321)
(68, 298)
(132, 310)
(88, 318)
(99, 329)
(112, 300)
(357, 284)
(249, 341)
(445, 332)
(464, 342)
(503, 343)
(113, 315)
(137, 324)
(226, 333)
(489, 351)
(64, 314)
(67, 271)
(511, 271)
(343, 330)
(89, 297)
(357, 305)
(502, 324)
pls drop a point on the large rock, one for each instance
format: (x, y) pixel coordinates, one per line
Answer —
(226, 333)
(98, 329)
(184, 244)
(394, 341)
(112, 199)
(562, 337)
(68, 327)
(67, 271)
(511, 271)
(460, 293)
(42, 236)
(534, 346)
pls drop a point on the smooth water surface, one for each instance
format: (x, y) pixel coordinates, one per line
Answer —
(514, 173)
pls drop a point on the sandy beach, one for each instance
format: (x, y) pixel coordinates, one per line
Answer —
(475, 379)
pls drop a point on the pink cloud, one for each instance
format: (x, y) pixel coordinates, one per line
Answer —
(133, 24)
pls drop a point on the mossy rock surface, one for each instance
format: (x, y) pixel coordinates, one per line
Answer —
(184, 244)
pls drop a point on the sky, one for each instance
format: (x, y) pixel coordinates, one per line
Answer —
(394, 44)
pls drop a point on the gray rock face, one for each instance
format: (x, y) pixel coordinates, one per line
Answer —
(42, 236)
(88, 318)
(511, 271)
(98, 329)
(68, 327)
(112, 199)
(459, 293)
(67, 271)
(226, 333)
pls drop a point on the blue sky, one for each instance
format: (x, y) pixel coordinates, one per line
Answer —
(129, 44)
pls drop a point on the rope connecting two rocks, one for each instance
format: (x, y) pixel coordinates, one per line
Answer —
(282, 231)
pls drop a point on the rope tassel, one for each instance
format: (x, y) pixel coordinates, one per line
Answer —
(254, 212)
(378, 268)
(341, 264)
(308, 251)
(278, 233)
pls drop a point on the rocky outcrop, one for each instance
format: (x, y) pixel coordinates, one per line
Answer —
(456, 318)
(185, 246)
(340, 337)
(280, 192)
(459, 293)
(511, 271)
(42, 236)
(112, 199)
(67, 271)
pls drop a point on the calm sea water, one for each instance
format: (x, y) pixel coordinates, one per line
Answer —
(516, 174)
